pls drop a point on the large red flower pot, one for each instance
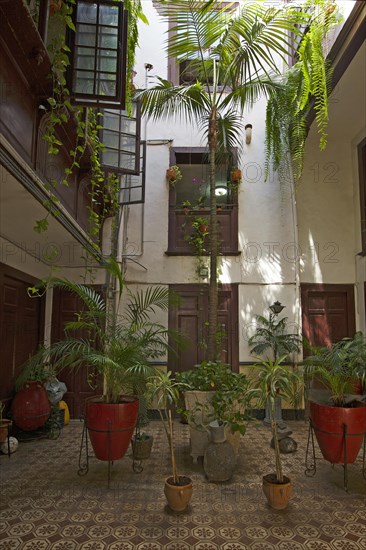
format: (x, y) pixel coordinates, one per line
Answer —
(30, 407)
(330, 425)
(110, 426)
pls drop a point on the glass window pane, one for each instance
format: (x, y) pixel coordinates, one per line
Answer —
(128, 125)
(108, 15)
(84, 82)
(86, 12)
(85, 58)
(110, 139)
(108, 38)
(107, 61)
(110, 157)
(85, 36)
(105, 84)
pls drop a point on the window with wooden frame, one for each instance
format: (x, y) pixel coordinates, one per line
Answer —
(97, 72)
(132, 186)
(120, 135)
(361, 150)
(189, 199)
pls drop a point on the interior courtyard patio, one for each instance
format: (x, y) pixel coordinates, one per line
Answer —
(45, 504)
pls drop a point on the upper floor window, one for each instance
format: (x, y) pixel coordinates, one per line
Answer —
(97, 72)
(190, 198)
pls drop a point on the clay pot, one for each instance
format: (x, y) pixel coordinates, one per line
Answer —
(278, 494)
(31, 407)
(5, 425)
(178, 496)
(219, 459)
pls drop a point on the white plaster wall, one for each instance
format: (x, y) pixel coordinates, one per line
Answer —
(327, 195)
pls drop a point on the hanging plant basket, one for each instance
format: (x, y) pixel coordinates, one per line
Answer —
(173, 174)
(236, 176)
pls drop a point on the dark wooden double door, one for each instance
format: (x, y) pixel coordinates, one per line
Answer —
(328, 313)
(190, 317)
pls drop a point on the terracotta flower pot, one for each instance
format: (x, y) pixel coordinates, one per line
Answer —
(328, 424)
(5, 425)
(278, 494)
(178, 496)
(110, 426)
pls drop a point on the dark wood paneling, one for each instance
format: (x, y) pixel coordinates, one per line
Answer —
(189, 318)
(328, 312)
(17, 107)
(21, 326)
(65, 307)
(178, 228)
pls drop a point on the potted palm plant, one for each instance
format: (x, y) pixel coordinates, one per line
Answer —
(275, 380)
(119, 347)
(272, 335)
(337, 415)
(164, 390)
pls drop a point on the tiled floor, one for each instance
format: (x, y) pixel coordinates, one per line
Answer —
(46, 505)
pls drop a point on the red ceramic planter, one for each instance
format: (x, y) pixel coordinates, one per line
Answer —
(110, 426)
(329, 423)
(30, 407)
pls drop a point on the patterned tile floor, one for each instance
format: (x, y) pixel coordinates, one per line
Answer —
(46, 505)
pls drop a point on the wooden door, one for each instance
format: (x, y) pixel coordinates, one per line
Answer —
(190, 319)
(81, 383)
(21, 326)
(328, 313)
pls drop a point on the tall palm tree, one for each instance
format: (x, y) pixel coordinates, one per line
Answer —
(246, 52)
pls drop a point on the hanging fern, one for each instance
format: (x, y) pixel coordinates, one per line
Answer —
(306, 84)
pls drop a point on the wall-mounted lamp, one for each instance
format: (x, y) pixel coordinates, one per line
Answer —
(248, 133)
(276, 308)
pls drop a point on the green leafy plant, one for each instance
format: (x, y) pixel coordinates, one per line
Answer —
(119, 346)
(307, 84)
(230, 398)
(272, 334)
(339, 366)
(273, 380)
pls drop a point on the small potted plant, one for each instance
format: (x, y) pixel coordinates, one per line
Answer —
(142, 442)
(275, 380)
(340, 368)
(164, 391)
(173, 174)
(235, 176)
